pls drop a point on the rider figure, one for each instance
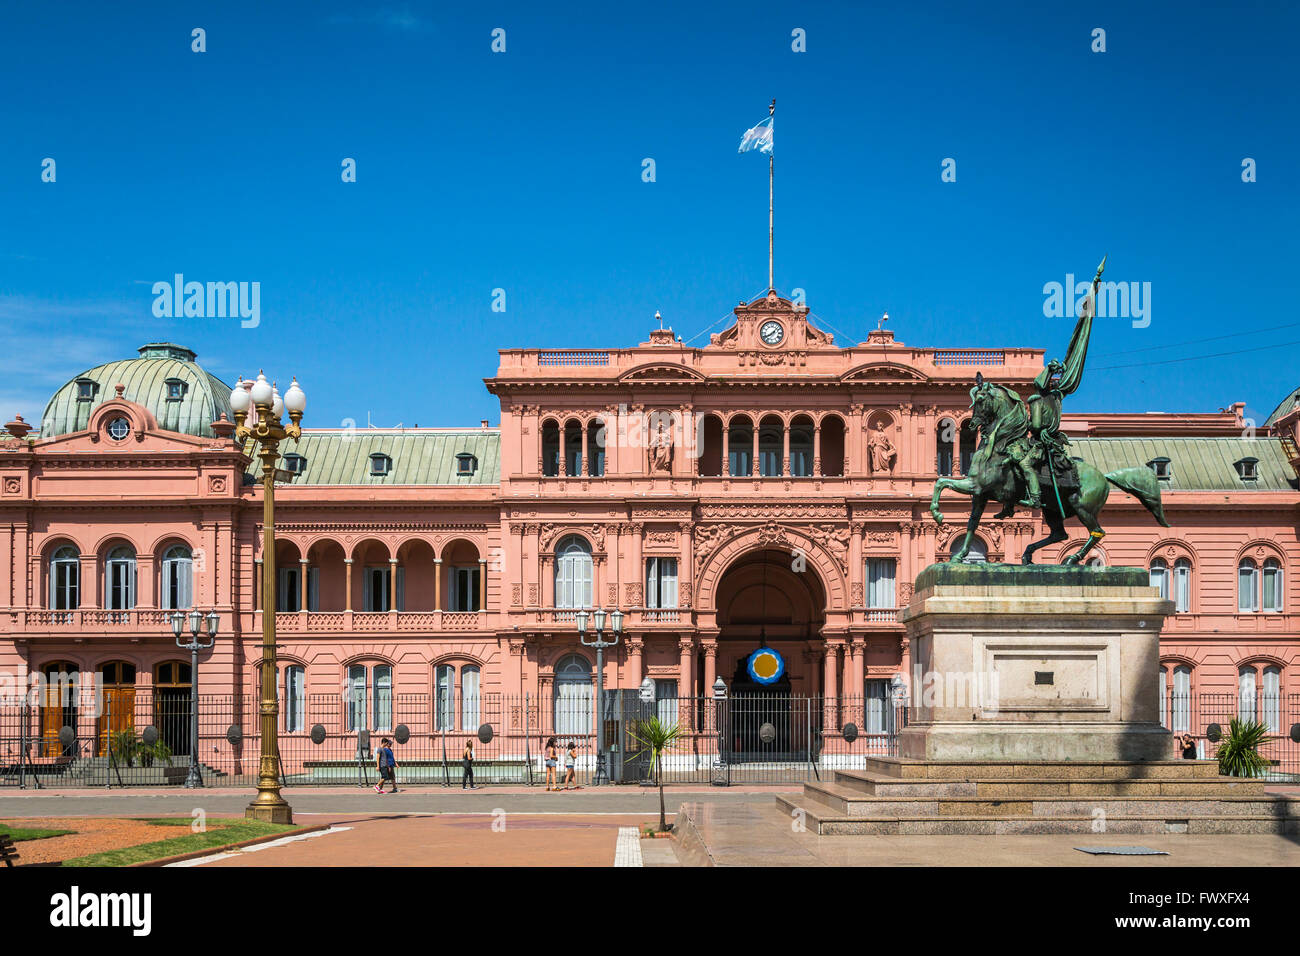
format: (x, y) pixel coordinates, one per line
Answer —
(1045, 441)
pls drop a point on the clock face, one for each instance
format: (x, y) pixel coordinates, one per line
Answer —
(771, 332)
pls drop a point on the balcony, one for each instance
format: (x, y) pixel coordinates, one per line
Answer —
(370, 622)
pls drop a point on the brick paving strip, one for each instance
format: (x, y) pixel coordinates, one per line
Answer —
(483, 839)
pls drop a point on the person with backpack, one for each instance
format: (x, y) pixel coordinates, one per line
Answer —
(386, 764)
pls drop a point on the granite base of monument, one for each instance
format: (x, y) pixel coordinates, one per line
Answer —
(1034, 663)
(1034, 709)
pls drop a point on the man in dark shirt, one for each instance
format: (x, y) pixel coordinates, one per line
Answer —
(386, 764)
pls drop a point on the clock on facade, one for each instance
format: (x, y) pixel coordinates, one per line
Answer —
(771, 332)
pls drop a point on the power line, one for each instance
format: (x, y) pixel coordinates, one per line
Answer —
(1215, 338)
(1193, 358)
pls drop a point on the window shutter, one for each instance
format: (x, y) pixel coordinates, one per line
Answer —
(313, 589)
(401, 589)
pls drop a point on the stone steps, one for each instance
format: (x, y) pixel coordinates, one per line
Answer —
(875, 784)
(851, 802)
(904, 768)
(824, 819)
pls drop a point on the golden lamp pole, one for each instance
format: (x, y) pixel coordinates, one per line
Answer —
(264, 428)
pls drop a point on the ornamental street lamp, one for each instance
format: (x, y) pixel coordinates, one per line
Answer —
(194, 778)
(258, 407)
(616, 628)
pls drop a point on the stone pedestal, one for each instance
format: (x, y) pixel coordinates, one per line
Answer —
(1034, 662)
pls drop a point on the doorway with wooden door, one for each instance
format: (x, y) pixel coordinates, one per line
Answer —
(117, 707)
(59, 698)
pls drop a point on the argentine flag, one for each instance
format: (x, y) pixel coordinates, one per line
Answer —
(758, 137)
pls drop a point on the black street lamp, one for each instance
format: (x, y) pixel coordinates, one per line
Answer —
(194, 645)
(616, 628)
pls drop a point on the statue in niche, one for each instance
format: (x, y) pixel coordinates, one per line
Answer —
(661, 447)
(882, 450)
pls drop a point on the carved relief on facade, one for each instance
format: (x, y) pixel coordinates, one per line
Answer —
(515, 595)
(532, 595)
(632, 594)
(834, 540)
(795, 511)
(684, 590)
(661, 539)
(856, 594)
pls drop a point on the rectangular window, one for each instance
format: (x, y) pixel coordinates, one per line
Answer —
(469, 710)
(1182, 699)
(64, 586)
(1272, 587)
(445, 711)
(666, 701)
(313, 589)
(740, 462)
(356, 698)
(661, 582)
(769, 463)
(121, 585)
(879, 712)
(1246, 588)
(1246, 694)
(383, 680)
(1182, 588)
(177, 584)
(880, 582)
(464, 589)
(288, 589)
(376, 594)
(294, 700)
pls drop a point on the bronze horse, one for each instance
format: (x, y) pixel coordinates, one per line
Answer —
(999, 415)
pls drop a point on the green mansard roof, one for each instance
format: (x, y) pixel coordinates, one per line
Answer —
(1195, 464)
(145, 382)
(420, 456)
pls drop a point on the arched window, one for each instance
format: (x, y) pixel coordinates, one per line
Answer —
(801, 447)
(1247, 586)
(1271, 587)
(1182, 586)
(978, 553)
(969, 438)
(444, 680)
(469, 697)
(1182, 699)
(294, 698)
(573, 571)
(382, 677)
(119, 579)
(65, 579)
(596, 448)
(771, 442)
(740, 447)
(1160, 577)
(177, 591)
(572, 696)
(1246, 692)
(573, 449)
(1270, 699)
(945, 435)
(550, 449)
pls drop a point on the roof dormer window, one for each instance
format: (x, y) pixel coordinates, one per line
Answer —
(466, 464)
(175, 389)
(1161, 467)
(1247, 468)
(380, 464)
(295, 464)
(86, 389)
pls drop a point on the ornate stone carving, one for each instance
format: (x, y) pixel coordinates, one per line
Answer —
(684, 593)
(856, 594)
(662, 539)
(632, 594)
(532, 595)
(515, 595)
(834, 540)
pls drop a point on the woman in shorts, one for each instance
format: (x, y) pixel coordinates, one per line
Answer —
(570, 766)
(550, 764)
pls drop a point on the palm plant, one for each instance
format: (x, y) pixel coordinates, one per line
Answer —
(1239, 754)
(655, 736)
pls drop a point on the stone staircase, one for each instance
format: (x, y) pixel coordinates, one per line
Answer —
(897, 795)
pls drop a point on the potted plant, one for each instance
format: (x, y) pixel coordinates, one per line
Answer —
(123, 746)
(656, 737)
(1239, 754)
(158, 750)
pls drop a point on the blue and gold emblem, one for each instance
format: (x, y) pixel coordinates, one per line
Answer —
(766, 666)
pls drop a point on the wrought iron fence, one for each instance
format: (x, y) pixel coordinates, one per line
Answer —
(1195, 714)
(141, 738)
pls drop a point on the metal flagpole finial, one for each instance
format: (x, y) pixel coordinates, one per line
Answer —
(772, 109)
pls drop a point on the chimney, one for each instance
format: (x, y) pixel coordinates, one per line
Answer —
(483, 423)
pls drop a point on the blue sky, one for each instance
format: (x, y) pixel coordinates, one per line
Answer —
(522, 171)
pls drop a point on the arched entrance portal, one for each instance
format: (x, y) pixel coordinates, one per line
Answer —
(769, 600)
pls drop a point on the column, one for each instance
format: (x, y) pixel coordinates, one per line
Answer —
(637, 569)
(684, 569)
(830, 688)
(146, 579)
(437, 588)
(347, 584)
(91, 592)
(257, 583)
(785, 450)
(817, 449)
(635, 672)
(686, 680)
(392, 584)
(710, 648)
(754, 470)
(597, 562)
(302, 585)
(482, 587)
(586, 461)
(857, 567)
(548, 581)
(726, 450)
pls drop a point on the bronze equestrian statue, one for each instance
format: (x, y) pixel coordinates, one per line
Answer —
(1022, 458)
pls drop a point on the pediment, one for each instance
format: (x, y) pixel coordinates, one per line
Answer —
(661, 373)
(883, 373)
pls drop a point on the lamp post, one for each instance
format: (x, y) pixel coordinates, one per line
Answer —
(616, 628)
(194, 778)
(258, 407)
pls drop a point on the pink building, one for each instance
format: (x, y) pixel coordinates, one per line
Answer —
(770, 488)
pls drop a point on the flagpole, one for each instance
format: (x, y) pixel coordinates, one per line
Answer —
(771, 164)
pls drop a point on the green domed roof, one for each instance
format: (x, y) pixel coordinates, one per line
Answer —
(165, 379)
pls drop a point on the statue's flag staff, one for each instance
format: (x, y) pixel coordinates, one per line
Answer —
(760, 138)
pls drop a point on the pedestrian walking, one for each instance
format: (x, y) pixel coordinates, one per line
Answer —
(1188, 743)
(550, 764)
(570, 767)
(386, 764)
(467, 767)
